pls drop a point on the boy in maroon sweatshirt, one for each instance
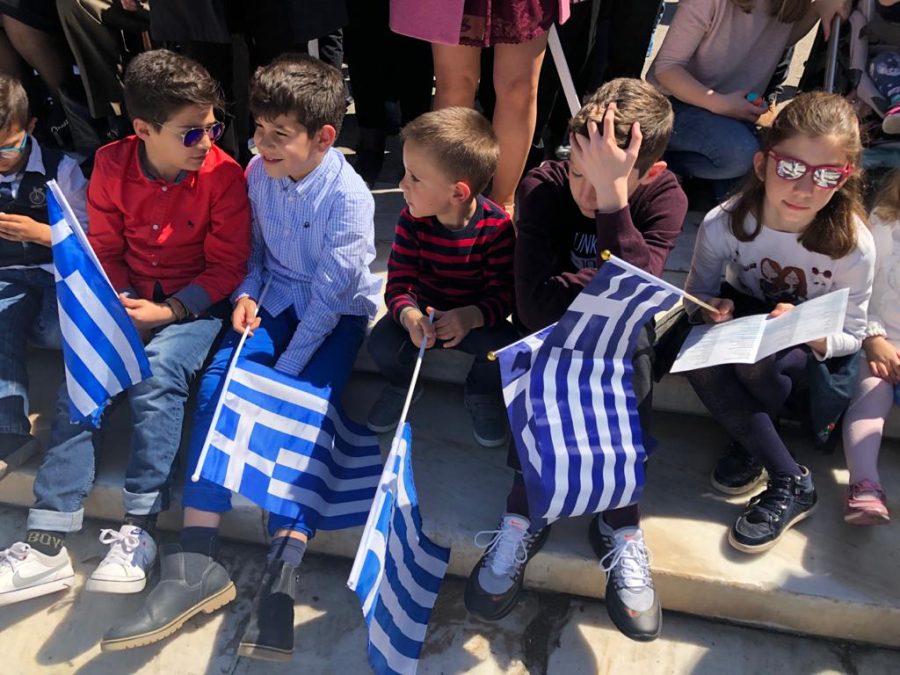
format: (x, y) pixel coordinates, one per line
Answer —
(613, 194)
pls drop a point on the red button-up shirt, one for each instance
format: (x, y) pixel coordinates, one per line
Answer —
(191, 237)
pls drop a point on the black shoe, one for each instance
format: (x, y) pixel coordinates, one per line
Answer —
(738, 472)
(785, 502)
(189, 583)
(270, 633)
(494, 584)
(631, 599)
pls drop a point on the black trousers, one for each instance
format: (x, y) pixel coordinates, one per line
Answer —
(385, 66)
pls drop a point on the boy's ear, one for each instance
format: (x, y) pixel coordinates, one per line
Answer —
(653, 172)
(325, 137)
(29, 128)
(461, 192)
(142, 128)
(759, 165)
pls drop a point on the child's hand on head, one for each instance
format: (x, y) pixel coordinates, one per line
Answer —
(418, 326)
(604, 164)
(244, 315)
(884, 361)
(725, 309)
(453, 325)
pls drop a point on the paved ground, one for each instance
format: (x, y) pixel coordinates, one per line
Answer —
(547, 633)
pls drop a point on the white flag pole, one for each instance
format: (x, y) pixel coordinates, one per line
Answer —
(228, 375)
(562, 69)
(388, 467)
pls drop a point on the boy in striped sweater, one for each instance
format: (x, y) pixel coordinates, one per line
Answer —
(453, 253)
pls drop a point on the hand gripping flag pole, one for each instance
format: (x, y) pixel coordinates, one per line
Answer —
(388, 463)
(228, 375)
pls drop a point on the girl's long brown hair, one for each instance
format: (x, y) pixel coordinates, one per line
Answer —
(815, 114)
(786, 11)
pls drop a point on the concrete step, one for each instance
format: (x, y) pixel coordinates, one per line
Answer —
(546, 633)
(825, 579)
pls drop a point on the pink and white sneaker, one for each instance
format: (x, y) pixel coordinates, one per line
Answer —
(865, 504)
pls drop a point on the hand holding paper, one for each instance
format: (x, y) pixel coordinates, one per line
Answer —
(751, 338)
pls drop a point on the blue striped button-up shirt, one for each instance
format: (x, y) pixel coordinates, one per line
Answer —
(315, 240)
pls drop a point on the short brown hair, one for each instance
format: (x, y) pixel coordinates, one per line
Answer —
(461, 142)
(13, 103)
(636, 101)
(160, 82)
(813, 114)
(302, 87)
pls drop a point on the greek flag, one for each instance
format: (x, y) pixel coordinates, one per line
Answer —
(398, 570)
(281, 443)
(570, 401)
(102, 350)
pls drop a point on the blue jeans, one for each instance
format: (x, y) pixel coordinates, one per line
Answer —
(176, 353)
(267, 343)
(710, 146)
(28, 313)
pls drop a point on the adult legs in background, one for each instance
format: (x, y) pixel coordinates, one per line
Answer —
(516, 70)
(44, 52)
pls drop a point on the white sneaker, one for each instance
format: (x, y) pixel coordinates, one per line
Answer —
(26, 573)
(127, 565)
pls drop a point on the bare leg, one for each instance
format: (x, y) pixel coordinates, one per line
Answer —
(10, 62)
(516, 71)
(293, 534)
(197, 518)
(457, 70)
(42, 51)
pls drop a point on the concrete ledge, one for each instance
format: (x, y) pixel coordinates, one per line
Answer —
(825, 579)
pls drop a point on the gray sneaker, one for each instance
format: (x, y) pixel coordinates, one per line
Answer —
(631, 600)
(15, 450)
(385, 413)
(489, 425)
(189, 583)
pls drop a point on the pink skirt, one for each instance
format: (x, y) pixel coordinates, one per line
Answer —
(489, 22)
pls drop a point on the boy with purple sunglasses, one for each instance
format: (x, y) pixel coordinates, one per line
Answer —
(169, 220)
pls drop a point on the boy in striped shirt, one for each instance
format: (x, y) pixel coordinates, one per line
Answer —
(453, 253)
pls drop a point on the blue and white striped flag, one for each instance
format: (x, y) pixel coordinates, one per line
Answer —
(398, 570)
(102, 350)
(570, 401)
(281, 443)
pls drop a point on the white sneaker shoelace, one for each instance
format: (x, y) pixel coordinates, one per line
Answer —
(507, 548)
(628, 562)
(121, 547)
(14, 556)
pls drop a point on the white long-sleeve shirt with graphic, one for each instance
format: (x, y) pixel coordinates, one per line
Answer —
(775, 267)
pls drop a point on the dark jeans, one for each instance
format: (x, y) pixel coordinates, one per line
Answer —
(393, 351)
(27, 313)
(642, 382)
